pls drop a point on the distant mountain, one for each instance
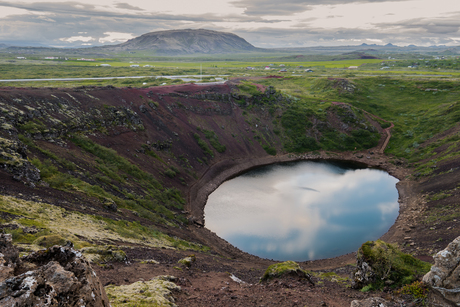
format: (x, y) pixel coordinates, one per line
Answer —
(3, 46)
(182, 42)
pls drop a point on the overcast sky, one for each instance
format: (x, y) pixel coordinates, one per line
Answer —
(263, 23)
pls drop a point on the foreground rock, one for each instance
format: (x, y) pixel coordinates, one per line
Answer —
(444, 276)
(284, 269)
(382, 264)
(9, 257)
(371, 302)
(58, 276)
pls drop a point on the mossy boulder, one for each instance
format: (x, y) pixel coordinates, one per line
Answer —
(382, 264)
(155, 292)
(288, 268)
(51, 240)
(104, 254)
(187, 261)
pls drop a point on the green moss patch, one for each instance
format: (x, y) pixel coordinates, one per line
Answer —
(156, 292)
(390, 265)
(283, 269)
(104, 254)
(51, 240)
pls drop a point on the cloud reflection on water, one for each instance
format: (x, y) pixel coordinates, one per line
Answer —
(301, 211)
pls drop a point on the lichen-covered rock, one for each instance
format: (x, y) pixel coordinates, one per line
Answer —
(104, 254)
(13, 159)
(380, 263)
(9, 257)
(444, 276)
(285, 268)
(62, 277)
(363, 275)
(371, 302)
(187, 261)
(155, 292)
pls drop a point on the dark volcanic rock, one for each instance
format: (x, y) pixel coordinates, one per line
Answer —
(14, 160)
(371, 302)
(9, 257)
(62, 277)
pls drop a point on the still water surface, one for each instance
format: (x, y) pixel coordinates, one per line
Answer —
(304, 210)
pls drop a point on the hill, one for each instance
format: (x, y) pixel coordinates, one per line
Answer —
(177, 42)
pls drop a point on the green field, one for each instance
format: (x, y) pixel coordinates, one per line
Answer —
(418, 95)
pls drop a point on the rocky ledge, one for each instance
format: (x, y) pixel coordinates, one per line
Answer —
(58, 276)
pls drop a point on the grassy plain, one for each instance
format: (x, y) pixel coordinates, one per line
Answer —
(418, 93)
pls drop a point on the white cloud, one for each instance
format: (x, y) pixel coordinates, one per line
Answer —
(114, 37)
(10, 11)
(73, 39)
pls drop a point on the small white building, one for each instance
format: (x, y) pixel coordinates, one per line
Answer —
(21, 58)
(353, 67)
(282, 65)
(105, 65)
(267, 68)
(135, 65)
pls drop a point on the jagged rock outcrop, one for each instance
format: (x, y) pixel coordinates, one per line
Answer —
(58, 276)
(444, 276)
(9, 256)
(363, 275)
(13, 159)
(371, 302)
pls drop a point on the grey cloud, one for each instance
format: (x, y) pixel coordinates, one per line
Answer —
(66, 19)
(447, 25)
(128, 6)
(289, 7)
(76, 8)
(307, 37)
(49, 29)
(61, 7)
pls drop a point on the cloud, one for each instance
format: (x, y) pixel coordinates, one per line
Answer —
(439, 26)
(88, 10)
(114, 37)
(73, 39)
(50, 23)
(53, 23)
(290, 7)
(266, 37)
(127, 6)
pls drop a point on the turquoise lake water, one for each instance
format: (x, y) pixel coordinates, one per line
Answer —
(304, 210)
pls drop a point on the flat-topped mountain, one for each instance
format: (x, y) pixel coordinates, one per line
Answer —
(187, 41)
